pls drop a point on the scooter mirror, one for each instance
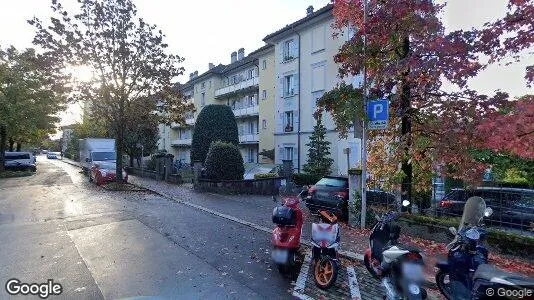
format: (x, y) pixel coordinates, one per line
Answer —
(488, 212)
(453, 231)
(405, 203)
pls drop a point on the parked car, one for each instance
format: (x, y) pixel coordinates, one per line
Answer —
(512, 207)
(103, 172)
(331, 193)
(19, 161)
(51, 155)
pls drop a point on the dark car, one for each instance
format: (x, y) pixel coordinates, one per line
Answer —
(19, 161)
(331, 193)
(512, 207)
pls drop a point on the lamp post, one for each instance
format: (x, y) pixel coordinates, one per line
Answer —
(139, 145)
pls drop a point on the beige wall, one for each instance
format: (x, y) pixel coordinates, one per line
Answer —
(267, 105)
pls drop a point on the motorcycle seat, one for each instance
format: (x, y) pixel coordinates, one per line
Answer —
(492, 274)
(408, 248)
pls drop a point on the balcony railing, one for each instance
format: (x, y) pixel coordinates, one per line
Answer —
(181, 142)
(190, 121)
(254, 81)
(251, 138)
(246, 111)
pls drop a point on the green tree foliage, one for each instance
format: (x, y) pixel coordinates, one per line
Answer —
(214, 123)
(89, 128)
(133, 69)
(319, 160)
(32, 92)
(143, 132)
(224, 162)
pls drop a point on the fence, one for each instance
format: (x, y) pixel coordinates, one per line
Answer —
(513, 208)
(267, 186)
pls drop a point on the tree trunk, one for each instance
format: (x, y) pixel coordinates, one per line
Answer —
(131, 161)
(11, 143)
(139, 159)
(2, 146)
(406, 130)
(19, 146)
(120, 149)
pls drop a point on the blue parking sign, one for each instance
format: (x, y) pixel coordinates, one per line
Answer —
(378, 112)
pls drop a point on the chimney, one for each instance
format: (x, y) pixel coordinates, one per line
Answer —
(240, 53)
(210, 66)
(196, 73)
(234, 57)
(309, 10)
(191, 75)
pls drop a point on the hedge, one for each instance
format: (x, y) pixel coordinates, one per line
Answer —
(214, 123)
(224, 162)
(265, 176)
(305, 179)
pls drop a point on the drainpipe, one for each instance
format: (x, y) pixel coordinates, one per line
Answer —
(300, 84)
(257, 64)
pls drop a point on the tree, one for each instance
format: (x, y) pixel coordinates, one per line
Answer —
(90, 127)
(132, 67)
(214, 123)
(319, 160)
(511, 130)
(32, 91)
(408, 56)
(224, 162)
(143, 132)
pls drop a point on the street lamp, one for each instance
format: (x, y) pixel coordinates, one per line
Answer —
(139, 145)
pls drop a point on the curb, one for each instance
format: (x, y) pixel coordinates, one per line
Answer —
(345, 254)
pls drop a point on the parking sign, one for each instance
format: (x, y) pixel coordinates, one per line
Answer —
(378, 112)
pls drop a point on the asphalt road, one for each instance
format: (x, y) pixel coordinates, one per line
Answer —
(102, 244)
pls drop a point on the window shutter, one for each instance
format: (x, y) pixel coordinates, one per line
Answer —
(296, 83)
(281, 51)
(280, 123)
(281, 85)
(295, 52)
(280, 154)
(296, 121)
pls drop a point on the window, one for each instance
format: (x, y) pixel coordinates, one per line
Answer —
(234, 79)
(250, 73)
(289, 85)
(203, 85)
(263, 94)
(264, 64)
(264, 124)
(251, 155)
(288, 121)
(202, 99)
(351, 32)
(289, 50)
(318, 38)
(318, 76)
(209, 84)
(288, 153)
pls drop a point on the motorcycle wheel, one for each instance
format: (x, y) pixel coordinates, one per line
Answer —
(444, 288)
(370, 268)
(325, 272)
(284, 269)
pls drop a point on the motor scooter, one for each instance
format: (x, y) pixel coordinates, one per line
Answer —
(286, 235)
(398, 267)
(288, 231)
(466, 273)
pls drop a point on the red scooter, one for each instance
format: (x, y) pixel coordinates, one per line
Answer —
(286, 235)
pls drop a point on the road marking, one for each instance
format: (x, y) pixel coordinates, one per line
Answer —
(353, 284)
(298, 290)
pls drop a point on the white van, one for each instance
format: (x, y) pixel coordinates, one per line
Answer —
(19, 161)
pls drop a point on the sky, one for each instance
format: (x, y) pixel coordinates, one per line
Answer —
(210, 30)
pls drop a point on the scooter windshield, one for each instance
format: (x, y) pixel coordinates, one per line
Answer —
(473, 212)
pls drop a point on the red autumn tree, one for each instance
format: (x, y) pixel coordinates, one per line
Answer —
(512, 131)
(408, 56)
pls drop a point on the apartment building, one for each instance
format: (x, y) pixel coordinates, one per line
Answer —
(304, 71)
(236, 85)
(273, 93)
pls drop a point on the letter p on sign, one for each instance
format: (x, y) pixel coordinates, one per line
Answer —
(377, 110)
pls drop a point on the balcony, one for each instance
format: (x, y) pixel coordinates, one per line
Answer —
(242, 86)
(190, 121)
(246, 111)
(252, 138)
(181, 142)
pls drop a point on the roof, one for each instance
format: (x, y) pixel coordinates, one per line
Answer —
(325, 9)
(261, 49)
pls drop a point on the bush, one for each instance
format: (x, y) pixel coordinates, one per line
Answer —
(214, 123)
(151, 164)
(224, 162)
(265, 176)
(305, 179)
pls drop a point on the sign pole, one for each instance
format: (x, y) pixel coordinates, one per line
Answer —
(363, 212)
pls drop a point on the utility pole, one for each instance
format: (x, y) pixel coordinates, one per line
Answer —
(363, 212)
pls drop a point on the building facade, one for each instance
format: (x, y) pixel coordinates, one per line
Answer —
(273, 93)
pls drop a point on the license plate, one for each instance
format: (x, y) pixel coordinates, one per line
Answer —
(279, 256)
(412, 271)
